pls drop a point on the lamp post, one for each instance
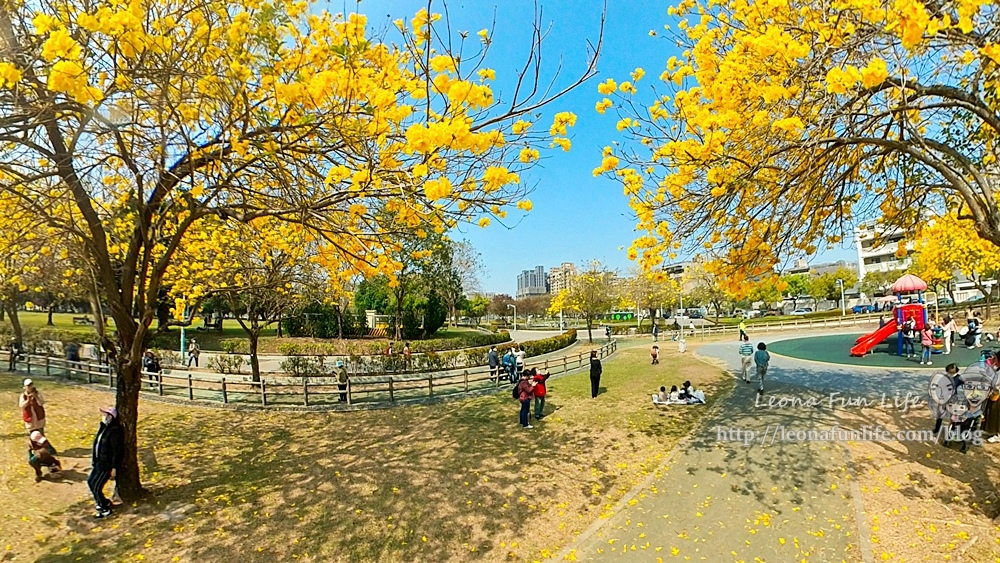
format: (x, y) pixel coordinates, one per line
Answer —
(843, 304)
(513, 306)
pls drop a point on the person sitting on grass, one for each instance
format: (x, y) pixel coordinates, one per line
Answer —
(685, 391)
(663, 396)
(674, 394)
(41, 454)
(654, 352)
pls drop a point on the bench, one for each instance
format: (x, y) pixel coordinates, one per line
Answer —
(83, 321)
(210, 326)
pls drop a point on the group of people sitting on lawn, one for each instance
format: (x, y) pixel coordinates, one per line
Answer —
(686, 395)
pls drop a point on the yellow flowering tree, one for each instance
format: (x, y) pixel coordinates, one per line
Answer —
(651, 291)
(781, 123)
(136, 125)
(593, 293)
(948, 245)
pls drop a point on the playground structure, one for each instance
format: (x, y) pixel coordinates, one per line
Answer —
(908, 284)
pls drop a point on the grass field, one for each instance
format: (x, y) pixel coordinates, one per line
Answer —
(453, 481)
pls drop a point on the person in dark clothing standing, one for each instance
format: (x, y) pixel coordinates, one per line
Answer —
(595, 374)
(494, 360)
(106, 460)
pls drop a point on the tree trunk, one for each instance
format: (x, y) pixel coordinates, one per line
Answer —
(590, 326)
(49, 321)
(129, 382)
(398, 321)
(15, 321)
(340, 323)
(254, 335)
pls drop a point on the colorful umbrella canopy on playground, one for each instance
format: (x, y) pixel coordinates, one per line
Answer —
(909, 283)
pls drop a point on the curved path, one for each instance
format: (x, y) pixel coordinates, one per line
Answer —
(727, 497)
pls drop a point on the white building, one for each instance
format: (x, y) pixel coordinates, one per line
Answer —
(877, 246)
(532, 282)
(561, 277)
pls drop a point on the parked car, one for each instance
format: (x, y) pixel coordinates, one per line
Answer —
(772, 313)
(945, 302)
(802, 311)
(751, 314)
(863, 308)
(695, 314)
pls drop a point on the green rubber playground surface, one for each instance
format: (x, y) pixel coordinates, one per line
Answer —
(836, 349)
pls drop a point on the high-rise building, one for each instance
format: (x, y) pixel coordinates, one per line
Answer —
(877, 246)
(561, 277)
(532, 282)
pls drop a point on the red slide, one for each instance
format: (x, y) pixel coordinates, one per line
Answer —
(869, 341)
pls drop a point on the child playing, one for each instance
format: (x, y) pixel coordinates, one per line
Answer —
(655, 354)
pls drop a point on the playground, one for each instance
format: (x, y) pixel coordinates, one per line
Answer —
(834, 349)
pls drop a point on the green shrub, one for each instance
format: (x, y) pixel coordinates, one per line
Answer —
(235, 346)
(227, 364)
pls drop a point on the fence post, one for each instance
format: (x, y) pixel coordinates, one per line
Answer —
(27, 358)
(565, 367)
(111, 378)
(159, 382)
(579, 358)
(190, 388)
(263, 393)
(349, 391)
(392, 397)
(48, 372)
(430, 385)
(225, 396)
(90, 379)
(466, 374)
(305, 390)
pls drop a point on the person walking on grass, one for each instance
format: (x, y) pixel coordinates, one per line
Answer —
(32, 406)
(539, 379)
(656, 332)
(525, 391)
(762, 359)
(746, 358)
(106, 458)
(595, 374)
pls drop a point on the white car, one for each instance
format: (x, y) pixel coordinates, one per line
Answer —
(751, 314)
(800, 312)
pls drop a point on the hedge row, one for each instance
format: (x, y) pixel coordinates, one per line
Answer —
(375, 347)
(37, 340)
(304, 364)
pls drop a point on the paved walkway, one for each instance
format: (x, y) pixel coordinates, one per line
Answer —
(721, 499)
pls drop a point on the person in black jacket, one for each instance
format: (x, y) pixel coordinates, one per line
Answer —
(595, 374)
(106, 460)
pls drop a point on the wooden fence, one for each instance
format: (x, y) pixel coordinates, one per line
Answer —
(302, 391)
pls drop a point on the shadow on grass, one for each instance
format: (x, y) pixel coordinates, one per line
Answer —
(444, 482)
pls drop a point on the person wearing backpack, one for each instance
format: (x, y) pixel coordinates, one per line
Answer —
(539, 380)
(510, 364)
(524, 392)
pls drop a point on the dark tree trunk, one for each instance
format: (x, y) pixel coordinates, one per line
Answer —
(340, 323)
(129, 381)
(15, 321)
(49, 321)
(254, 335)
(590, 327)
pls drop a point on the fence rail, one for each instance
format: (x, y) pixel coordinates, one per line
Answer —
(299, 391)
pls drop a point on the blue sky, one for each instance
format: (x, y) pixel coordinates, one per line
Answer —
(576, 217)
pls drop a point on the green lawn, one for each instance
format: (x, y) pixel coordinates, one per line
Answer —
(454, 481)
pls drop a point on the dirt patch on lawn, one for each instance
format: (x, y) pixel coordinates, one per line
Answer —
(924, 501)
(449, 482)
